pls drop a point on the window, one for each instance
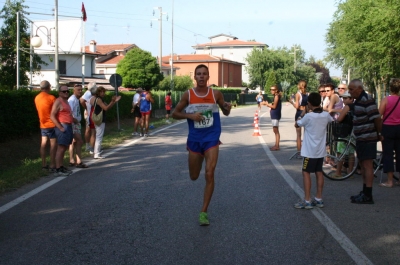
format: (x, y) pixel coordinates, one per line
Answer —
(101, 71)
(62, 66)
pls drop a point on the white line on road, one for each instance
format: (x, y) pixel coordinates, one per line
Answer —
(352, 250)
(54, 181)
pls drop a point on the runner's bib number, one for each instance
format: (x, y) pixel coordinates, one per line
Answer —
(207, 121)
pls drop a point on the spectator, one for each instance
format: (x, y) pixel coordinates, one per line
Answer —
(300, 103)
(342, 88)
(44, 102)
(98, 104)
(61, 115)
(75, 149)
(322, 92)
(390, 111)
(202, 114)
(275, 113)
(313, 150)
(146, 99)
(136, 112)
(168, 106)
(335, 102)
(367, 127)
(90, 132)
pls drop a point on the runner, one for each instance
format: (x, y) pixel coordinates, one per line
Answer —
(203, 119)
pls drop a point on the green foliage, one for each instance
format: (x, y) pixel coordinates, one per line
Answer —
(181, 83)
(139, 69)
(364, 36)
(8, 51)
(271, 80)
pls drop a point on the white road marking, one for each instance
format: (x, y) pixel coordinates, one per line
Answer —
(54, 181)
(352, 250)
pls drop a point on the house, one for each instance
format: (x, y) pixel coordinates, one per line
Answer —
(107, 57)
(230, 48)
(223, 72)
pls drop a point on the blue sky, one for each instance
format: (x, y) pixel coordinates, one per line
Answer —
(275, 23)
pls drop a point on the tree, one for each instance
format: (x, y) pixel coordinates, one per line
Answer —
(181, 83)
(8, 42)
(271, 80)
(364, 36)
(139, 69)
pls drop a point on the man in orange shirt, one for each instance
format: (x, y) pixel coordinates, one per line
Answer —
(44, 102)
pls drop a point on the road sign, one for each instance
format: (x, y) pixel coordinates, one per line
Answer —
(115, 80)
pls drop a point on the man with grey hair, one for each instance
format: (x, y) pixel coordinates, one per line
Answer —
(90, 132)
(44, 102)
(367, 127)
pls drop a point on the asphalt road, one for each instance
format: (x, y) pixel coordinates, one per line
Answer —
(138, 206)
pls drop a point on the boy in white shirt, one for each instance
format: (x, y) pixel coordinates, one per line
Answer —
(313, 150)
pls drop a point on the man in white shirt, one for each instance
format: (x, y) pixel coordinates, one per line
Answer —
(136, 112)
(75, 149)
(90, 132)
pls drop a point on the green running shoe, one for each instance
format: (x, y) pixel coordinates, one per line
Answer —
(203, 219)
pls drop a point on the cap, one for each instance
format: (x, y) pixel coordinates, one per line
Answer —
(346, 95)
(92, 86)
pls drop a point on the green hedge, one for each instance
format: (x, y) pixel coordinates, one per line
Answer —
(19, 116)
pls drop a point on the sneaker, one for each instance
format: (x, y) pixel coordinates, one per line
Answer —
(203, 219)
(99, 157)
(168, 121)
(363, 199)
(91, 151)
(146, 135)
(356, 196)
(141, 134)
(317, 203)
(62, 172)
(135, 134)
(52, 170)
(303, 205)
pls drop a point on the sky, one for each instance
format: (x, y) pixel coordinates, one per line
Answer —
(275, 23)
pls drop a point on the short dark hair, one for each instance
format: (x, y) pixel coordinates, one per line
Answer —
(394, 85)
(330, 85)
(314, 99)
(169, 93)
(201, 66)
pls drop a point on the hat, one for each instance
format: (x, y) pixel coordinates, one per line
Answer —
(92, 87)
(346, 94)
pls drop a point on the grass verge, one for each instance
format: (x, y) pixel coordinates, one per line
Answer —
(28, 170)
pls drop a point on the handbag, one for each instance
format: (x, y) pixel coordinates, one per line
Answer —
(97, 118)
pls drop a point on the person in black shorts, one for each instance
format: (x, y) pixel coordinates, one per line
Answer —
(313, 150)
(136, 112)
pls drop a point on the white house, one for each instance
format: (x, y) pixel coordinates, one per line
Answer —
(229, 47)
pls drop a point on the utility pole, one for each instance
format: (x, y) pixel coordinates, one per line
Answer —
(294, 53)
(160, 20)
(172, 47)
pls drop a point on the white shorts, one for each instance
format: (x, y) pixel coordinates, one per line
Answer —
(275, 123)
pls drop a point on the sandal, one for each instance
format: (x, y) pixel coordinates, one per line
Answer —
(274, 148)
(71, 164)
(386, 185)
(81, 165)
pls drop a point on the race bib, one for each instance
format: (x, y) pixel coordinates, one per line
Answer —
(207, 121)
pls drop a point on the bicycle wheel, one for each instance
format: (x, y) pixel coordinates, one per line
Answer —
(377, 163)
(340, 161)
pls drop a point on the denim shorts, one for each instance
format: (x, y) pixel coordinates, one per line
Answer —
(64, 138)
(48, 132)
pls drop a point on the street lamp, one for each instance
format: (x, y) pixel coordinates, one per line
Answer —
(36, 41)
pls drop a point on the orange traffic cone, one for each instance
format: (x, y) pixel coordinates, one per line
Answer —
(255, 121)
(256, 131)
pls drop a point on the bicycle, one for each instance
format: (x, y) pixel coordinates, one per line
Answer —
(341, 158)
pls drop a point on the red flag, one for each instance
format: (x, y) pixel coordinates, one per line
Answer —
(84, 18)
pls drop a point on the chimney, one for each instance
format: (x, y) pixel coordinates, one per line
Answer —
(92, 46)
(177, 58)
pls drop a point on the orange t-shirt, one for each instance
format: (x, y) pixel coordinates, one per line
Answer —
(44, 103)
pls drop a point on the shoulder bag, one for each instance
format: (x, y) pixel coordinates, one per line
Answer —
(97, 118)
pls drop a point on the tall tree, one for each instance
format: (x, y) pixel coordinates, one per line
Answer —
(8, 42)
(139, 69)
(364, 35)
